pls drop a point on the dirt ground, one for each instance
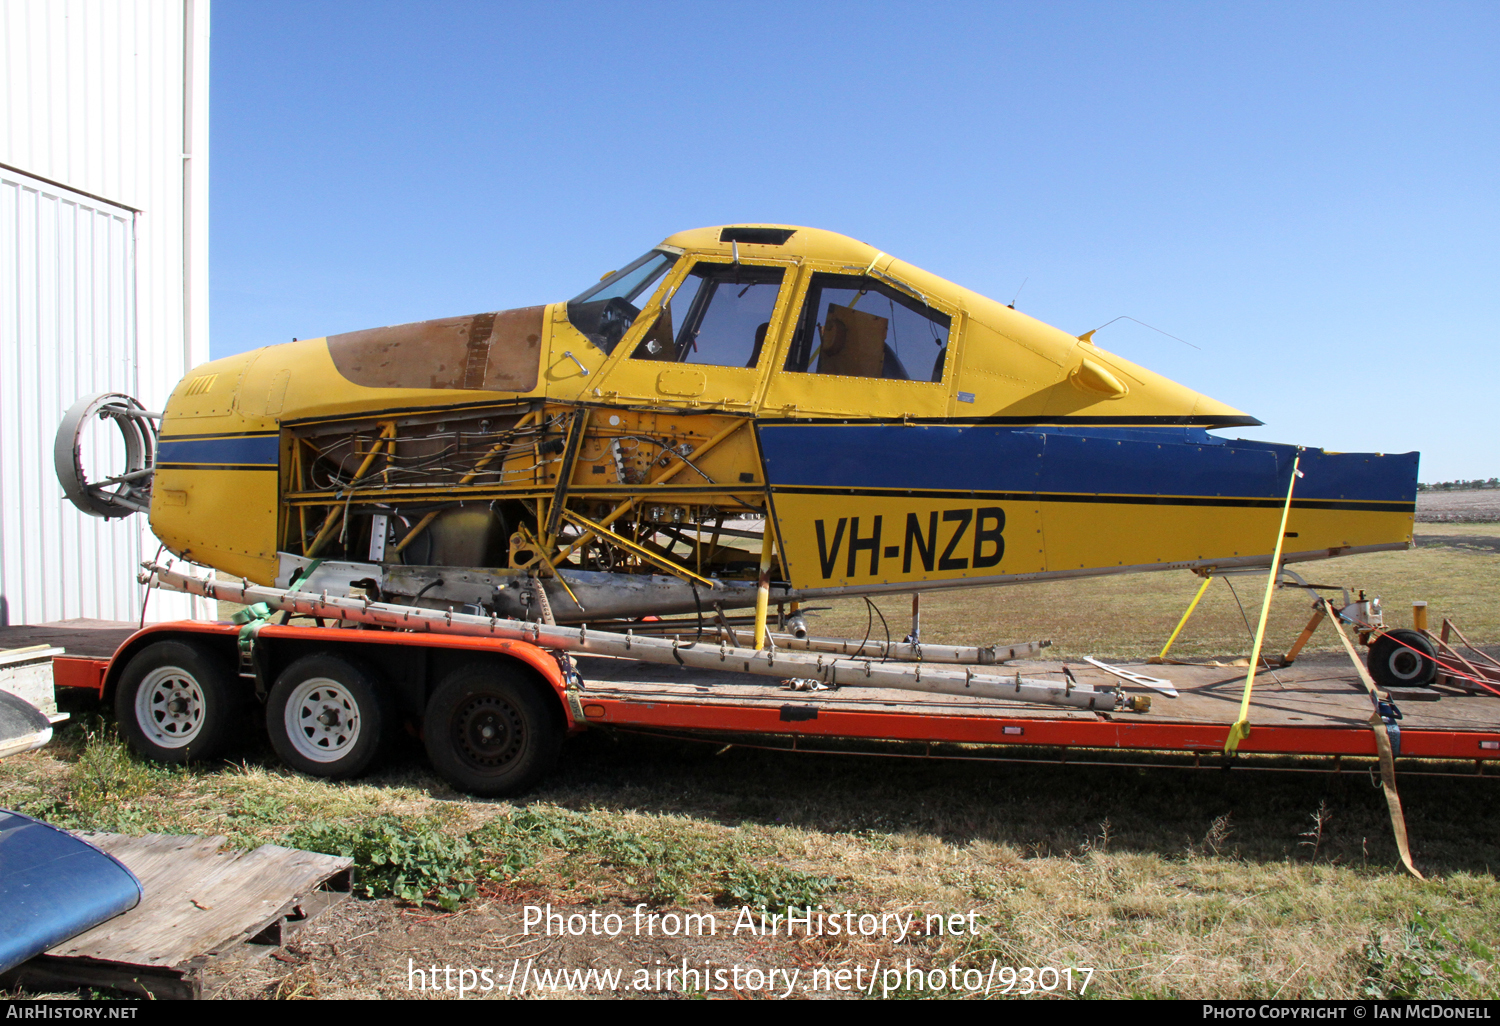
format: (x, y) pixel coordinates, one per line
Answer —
(387, 949)
(1481, 506)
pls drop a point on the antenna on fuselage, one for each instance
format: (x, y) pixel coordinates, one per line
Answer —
(1018, 292)
(1088, 336)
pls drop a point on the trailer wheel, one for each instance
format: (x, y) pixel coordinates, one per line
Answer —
(489, 731)
(175, 703)
(1393, 665)
(325, 717)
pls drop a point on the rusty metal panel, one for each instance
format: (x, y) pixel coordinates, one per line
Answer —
(493, 351)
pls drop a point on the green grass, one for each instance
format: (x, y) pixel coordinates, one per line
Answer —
(1169, 883)
(1455, 568)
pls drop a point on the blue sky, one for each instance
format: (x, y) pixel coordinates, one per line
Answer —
(1307, 192)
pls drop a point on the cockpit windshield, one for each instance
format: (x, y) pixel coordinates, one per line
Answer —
(605, 312)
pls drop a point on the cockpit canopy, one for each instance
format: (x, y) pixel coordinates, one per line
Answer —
(718, 314)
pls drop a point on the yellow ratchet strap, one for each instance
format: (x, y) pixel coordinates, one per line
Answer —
(1382, 747)
(1240, 729)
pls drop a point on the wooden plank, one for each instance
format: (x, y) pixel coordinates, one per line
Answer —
(301, 911)
(256, 891)
(11, 656)
(164, 864)
(45, 973)
(199, 900)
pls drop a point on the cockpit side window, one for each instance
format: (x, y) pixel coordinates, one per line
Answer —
(719, 316)
(605, 312)
(858, 326)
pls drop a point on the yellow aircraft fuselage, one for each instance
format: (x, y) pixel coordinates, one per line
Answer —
(898, 431)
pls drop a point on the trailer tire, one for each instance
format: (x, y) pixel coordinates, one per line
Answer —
(175, 703)
(1393, 665)
(325, 717)
(489, 731)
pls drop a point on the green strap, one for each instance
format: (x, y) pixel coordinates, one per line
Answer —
(252, 614)
(254, 617)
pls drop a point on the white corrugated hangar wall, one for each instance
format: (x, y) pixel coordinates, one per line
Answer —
(103, 271)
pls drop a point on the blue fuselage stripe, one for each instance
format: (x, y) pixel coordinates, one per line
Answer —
(1085, 461)
(242, 451)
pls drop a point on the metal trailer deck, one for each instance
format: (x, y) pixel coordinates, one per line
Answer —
(1316, 706)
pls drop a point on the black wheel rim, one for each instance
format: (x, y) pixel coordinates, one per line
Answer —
(488, 732)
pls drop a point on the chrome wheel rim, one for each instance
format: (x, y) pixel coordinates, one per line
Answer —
(169, 707)
(322, 719)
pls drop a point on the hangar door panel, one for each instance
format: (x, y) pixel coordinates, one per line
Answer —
(67, 329)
